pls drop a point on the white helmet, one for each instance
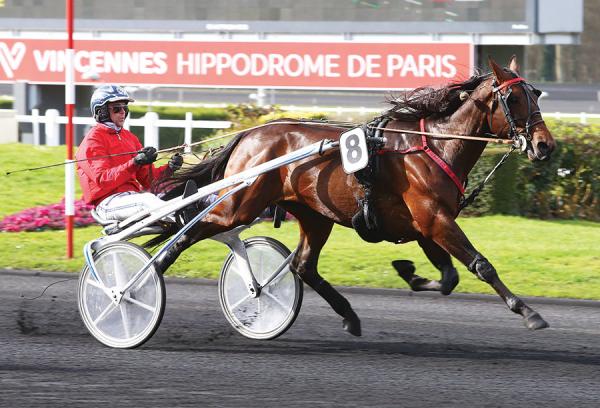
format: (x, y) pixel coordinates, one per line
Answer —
(103, 95)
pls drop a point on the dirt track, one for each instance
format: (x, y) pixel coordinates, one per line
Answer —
(415, 351)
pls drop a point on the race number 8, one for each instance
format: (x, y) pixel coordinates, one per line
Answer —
(353, 152)
(353, 149)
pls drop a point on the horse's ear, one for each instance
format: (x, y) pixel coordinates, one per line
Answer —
(513, 65)
(499, 73)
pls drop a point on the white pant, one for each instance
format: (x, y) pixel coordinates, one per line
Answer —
(123, 205)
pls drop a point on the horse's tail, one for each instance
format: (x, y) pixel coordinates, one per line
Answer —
(206, 172)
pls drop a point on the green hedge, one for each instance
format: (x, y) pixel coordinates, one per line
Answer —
(6, 104)
(567, 186)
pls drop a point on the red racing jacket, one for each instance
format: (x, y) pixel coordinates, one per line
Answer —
(100, 178)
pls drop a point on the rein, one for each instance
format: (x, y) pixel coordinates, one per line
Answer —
(445, 135)
(464, 201)
(71, 161)
(184, 146)
(315, 122)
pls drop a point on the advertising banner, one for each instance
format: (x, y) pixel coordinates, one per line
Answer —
(330, 65)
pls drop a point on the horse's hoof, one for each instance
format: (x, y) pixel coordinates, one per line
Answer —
(352, 325)
(535, 322)
(449, 283)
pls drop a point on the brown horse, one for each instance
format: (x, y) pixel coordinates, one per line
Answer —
(412, 196)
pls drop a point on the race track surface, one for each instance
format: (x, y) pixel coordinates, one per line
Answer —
(416, 351)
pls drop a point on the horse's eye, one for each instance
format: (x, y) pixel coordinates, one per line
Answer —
(511, 98)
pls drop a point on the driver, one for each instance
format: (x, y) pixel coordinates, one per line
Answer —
(117, 185)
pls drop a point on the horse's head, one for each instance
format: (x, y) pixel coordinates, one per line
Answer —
(514, 112)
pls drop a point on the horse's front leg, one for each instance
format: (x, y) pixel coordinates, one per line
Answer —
(440, 259)
(444, 230)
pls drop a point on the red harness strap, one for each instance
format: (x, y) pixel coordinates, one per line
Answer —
(437, 159)
(508, 83)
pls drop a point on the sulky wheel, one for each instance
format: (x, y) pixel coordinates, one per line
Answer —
(275, 309)
(135, 319)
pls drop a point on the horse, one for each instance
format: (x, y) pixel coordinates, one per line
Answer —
(413, 196)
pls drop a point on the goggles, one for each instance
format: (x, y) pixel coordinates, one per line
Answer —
(117, 108)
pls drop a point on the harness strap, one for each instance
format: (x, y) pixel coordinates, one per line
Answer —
(508, 83)
(437, 159)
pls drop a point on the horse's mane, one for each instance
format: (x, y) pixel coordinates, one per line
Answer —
(207, 171)
(413, 105)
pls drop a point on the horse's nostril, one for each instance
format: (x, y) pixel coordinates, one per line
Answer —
(543, 151)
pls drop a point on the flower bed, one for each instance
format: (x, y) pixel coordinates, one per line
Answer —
(46, 217)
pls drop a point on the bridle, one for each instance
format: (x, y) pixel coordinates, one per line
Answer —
(501, 94)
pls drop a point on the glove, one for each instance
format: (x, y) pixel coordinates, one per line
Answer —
(146, 156)
(176, 162)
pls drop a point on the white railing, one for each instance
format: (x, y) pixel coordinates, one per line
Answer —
(582, 116)
(151, 123)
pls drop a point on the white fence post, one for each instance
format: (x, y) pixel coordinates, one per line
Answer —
(583, 118)
(188, 132)
(35, 126)
(151, 129)
(52, 128)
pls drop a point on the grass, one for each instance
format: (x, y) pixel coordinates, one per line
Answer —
(533, 257)
(26, 189)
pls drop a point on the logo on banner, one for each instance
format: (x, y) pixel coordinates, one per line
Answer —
(10, 58)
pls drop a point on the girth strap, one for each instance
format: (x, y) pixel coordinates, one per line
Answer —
(437, 159)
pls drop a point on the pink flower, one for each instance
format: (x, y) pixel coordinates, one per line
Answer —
(46, 217)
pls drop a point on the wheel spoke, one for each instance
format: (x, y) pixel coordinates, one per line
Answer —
(116, 268)
(280, 271)
(93, 282)
(97, 281)
(125, 318)
(236, 304)
(278, 278)
(105, 312)
(277, 301)
(140, 304)
(146, 276)
(121, 281)
(261, 269)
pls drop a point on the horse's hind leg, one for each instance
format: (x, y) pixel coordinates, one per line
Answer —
(314, 231)
(448, 235)
(197, 233)
(440, 259)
